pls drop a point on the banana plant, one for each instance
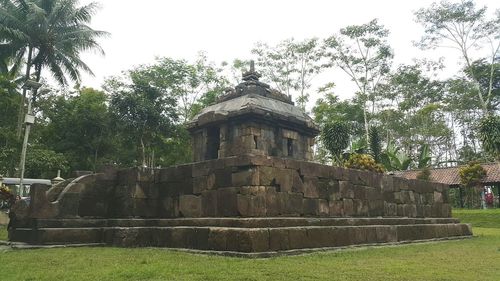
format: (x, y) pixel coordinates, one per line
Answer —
(393, 159)
(424, 157)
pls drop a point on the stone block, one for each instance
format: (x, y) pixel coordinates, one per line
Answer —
(359, 192)
(400, 184)
(336, 208)
(248, 176)
(284, 179)
(323, 208)
(359, 207)
(310, 206)
(438, 197)
(278, 239)
(390, 209)
(348, 207)
(127, 176)
(311, 187)
(399, 197)
(427, 211)
(429, 198)
(252, 190)
(387, 183)
(287, 134)
(320, 237)
(373, 194)
(295, 204)
(327, 187)
(292, 164)
(169, 207)
(223, 177)
(346, 190)
(267, 175)
(298, 238)
(209, 203)
(251, 206)
(217, 239)
(297, 182)
(375, 208)
(278, 163)
(229, 197)
(336, 173)
(190, 206)
(203, 183)
(272, 202)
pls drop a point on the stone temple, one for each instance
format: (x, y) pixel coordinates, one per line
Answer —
(252, 190)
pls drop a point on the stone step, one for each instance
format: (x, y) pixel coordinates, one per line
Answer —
(231, 222)
(243, 239)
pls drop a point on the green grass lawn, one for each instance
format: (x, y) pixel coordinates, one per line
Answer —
(470, 259)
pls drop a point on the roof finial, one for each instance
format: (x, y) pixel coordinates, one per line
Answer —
(251, 75)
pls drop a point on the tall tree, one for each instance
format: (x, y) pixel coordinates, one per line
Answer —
(188, 83)
(79, 126)
(52, 34)
(290, 66)
(144, 113)
(464, 27)
(363, 53)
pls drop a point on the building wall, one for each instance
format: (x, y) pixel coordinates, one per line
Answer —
(246, 186)
(253, 138)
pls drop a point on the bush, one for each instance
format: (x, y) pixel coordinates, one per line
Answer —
(363, 162)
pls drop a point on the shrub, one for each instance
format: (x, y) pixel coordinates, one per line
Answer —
(363, 162)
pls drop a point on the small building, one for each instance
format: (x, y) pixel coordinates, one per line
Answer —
(252, 119)
(451, 177)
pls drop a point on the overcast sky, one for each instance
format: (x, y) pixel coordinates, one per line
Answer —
(225, 29)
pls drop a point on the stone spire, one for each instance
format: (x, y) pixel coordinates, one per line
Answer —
(251, 75)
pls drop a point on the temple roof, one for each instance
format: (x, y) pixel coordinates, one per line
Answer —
(254, 97)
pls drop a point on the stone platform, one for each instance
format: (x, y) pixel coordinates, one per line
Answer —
(244, 235)
(241, 204)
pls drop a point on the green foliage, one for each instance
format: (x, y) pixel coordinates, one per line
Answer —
(43, 163)
(471, 174)
(144, 114)
(424, 174)
(335, 137)
(464, 27)
(80, 127)
(363, 162)
(362, 52)
(9, 144)
(489, 132)
(290, 66)
(394, 160)
(424, 157)
(375, 143)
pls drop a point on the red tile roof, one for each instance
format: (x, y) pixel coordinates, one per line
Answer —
(450, 175)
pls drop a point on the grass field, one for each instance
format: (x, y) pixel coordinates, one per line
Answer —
(470, 259)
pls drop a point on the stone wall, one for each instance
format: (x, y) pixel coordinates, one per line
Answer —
(260, 186)
(255, 138)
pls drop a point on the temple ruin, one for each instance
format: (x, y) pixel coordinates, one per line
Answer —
(251, 190)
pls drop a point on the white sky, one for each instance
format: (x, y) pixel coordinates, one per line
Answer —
(225, 29)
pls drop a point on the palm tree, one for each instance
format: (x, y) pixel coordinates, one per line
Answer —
(52, 34)
(61, 35)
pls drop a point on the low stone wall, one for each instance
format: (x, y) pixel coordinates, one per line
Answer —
(260, 186)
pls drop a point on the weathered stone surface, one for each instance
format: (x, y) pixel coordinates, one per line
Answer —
(311, 187)
(251, 205)
(249, 176)
(229, 197)
(190, 206)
